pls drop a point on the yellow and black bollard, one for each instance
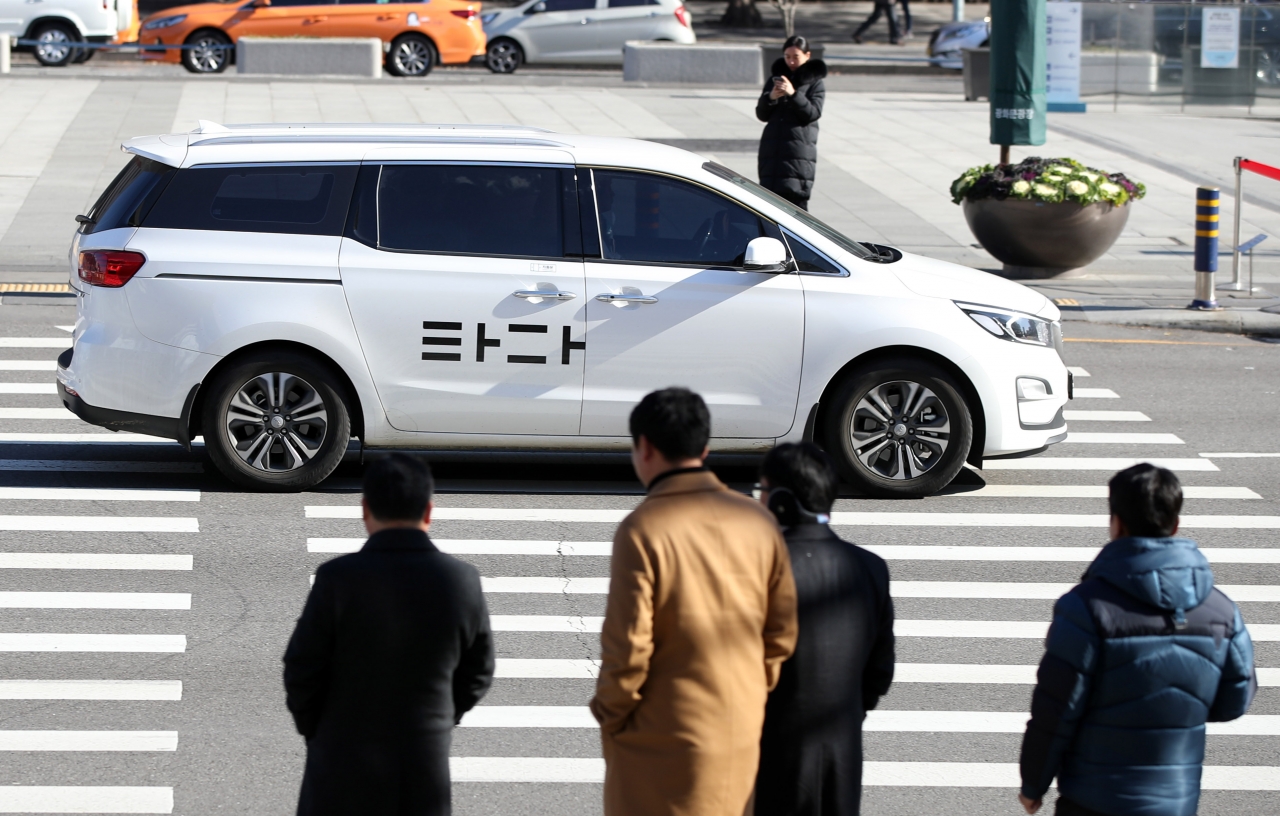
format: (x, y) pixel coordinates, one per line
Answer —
(1207, 201)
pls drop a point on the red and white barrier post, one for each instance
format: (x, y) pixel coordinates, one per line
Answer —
(1241, 164)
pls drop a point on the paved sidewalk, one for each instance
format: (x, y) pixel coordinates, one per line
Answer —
(887, 160)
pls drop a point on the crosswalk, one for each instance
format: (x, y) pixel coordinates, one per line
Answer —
(72, 641)
(547, 581)
(99, 560)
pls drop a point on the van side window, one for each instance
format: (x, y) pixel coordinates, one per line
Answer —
(301, 199)
(130, 196)
(480, 209)
(655, 219)
(809, 259)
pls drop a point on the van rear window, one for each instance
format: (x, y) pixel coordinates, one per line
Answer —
(130, 196)
(299, 199)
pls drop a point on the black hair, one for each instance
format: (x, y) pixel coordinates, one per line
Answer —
(805, 470)
(1147, 499)
(398, 487)
(675, 421)
(796, 41)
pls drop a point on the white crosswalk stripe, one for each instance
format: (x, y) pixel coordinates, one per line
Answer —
(34, 642)
(1084, 492)
(93, 561)
(1105, 465)
(100, 524)
(85, 799)
(874, 774)
(1095, 393)
(27, 388)
(88, 740)
(38, 413)
(96, 494)
(95, 600)
(1105, 416)
(90, 689)
(35, 342)
(1122, 439)
(29, 365)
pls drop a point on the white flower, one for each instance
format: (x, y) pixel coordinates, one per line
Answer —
(1109, 189)
(1088, 176)
(1045, 191)
(1057, 168)
(1077, 187)
(1021, 187)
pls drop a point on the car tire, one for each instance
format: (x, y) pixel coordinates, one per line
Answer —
(899, 429)
(411, 55)
(277, 450)
(209, 56)
(56, 47)
(504, 56)
(83, 55)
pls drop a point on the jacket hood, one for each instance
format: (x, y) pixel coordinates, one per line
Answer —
(1167, 573)
(812, 70)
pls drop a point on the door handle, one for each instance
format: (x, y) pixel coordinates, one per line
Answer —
(310, 20)
(586, 20)
(382, 18)
(625, 299)
(536, 294)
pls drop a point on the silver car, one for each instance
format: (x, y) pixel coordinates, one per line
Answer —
(581, 31)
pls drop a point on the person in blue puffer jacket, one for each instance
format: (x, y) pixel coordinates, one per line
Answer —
(1140, 655)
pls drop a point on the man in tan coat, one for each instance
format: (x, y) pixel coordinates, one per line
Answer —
(701, 616)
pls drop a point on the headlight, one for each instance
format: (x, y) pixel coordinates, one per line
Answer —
(489, 17)
(163, 22)
(1009, 325)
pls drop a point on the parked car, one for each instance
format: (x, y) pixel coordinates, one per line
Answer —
(281, 289)
(57, 25)
(947, 42)
(416, 36)
(582, 31)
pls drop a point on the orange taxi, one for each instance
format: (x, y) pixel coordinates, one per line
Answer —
(416, 36)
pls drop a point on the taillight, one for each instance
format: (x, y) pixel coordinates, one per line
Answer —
(682, 14)
(466, 14)
(109, 268)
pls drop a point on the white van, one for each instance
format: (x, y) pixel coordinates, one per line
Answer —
(280, 289)
(58, 24)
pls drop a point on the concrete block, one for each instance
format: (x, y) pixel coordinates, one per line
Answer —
(703, 64)
(1129, 72)
(310, 56)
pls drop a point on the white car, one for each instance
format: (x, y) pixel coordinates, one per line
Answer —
(582, 31)
(280, 289)
(56, 25)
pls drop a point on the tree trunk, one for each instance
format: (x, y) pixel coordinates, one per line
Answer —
(742, 14)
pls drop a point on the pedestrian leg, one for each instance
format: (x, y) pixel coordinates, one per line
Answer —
(870, 21)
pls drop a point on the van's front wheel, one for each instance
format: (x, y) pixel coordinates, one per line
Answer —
(276, 423)
(899, 430)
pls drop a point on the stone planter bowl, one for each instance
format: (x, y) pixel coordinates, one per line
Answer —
(1034, 239)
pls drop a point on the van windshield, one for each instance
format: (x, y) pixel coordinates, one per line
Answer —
(843, 241)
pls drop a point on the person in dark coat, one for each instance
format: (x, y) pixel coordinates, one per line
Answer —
(791, 105)
(811, 746)
(392, 648)
(884, 7)
(1140, 655)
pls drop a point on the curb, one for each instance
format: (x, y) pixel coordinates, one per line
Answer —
(1230, 321)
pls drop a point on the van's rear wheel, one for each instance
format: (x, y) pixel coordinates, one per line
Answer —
(55, 44)
(276, 423)
(899, 430)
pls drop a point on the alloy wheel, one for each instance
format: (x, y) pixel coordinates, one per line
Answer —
(504, 57)
(412, 57)
(277, 422)
(53, 46)
(900, 430)
(208, 54)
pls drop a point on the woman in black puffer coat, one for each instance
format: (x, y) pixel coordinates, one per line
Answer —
(791, 106)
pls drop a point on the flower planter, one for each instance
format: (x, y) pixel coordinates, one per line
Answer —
(1037, 239)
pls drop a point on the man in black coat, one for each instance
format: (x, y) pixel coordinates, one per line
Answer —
(791, 105)
(392, 649)
(811, 748)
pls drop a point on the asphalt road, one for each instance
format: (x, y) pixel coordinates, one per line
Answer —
(223, 742)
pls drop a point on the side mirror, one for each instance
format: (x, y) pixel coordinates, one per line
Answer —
(765, 255)
(536, 8)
